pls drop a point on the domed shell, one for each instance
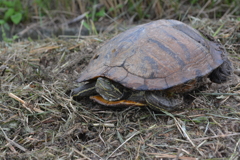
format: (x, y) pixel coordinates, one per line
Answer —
(155, 56)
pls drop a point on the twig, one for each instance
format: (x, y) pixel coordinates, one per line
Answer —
(182, 131)
(12, 142)
(219, 94)
(102, 138)
(80, 153)
(136, 133)
(110, 125)
(90, 151)
(222, 116)
(159, 155)
(217, 136)
(20, 100)
(24, 104)
(78, 18)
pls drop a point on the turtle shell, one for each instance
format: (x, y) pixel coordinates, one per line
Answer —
(155, 56)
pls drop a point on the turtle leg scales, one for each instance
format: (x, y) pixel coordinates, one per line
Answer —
(86, 89)
(163, 101)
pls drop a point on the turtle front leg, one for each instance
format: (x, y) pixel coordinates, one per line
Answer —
(86, 89)
(163, 101)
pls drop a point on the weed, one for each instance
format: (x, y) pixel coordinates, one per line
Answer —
(4, 35)
(13, 11)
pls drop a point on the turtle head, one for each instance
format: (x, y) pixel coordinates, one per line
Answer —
(109, 90)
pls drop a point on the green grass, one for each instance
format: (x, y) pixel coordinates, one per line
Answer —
(16, 11)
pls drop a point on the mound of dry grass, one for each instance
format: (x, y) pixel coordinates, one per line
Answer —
(39, 121)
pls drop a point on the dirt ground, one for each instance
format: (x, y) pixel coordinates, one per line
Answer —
(39, 121)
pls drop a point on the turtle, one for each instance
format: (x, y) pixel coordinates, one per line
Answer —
(154, 64)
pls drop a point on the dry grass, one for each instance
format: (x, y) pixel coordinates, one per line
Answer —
(39, 121)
